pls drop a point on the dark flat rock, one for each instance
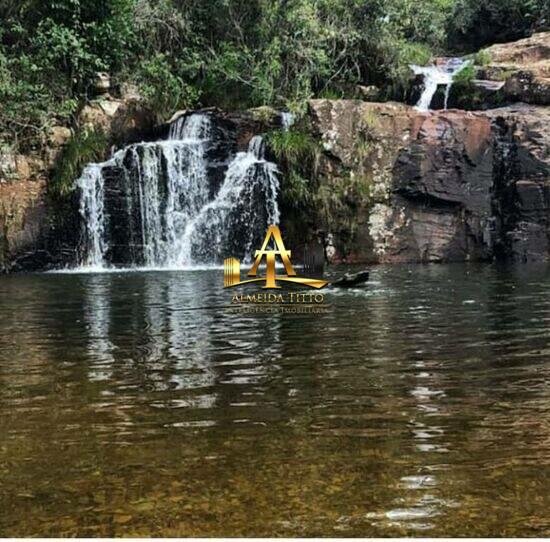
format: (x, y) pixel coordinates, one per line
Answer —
(351, 279)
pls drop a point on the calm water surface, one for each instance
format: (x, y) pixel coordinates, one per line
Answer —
(135, 404)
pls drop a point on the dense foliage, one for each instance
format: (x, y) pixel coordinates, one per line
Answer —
(477, 23)
(230, 53)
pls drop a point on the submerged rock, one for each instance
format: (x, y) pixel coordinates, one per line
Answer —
(351, 279)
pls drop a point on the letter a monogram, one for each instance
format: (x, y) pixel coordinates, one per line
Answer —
(273, 237)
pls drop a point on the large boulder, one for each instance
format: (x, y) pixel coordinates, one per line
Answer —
(122, 120)
(524, 66)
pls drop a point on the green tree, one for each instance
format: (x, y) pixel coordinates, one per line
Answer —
(476, 23)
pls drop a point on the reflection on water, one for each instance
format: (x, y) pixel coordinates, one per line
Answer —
(134, 404)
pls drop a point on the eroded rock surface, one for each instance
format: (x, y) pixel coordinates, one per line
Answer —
(394, 184)
(30, 234)
(524, 65)
(441, 186)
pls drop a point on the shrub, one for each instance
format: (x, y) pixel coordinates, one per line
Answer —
(85, 146)
(297, 152)
(466, 75)
(477, 23)
(482, 57)
(163, 88)
(294, 146)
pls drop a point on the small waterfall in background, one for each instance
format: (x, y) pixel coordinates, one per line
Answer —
(435, 75)
(287, 119)
(158, 205)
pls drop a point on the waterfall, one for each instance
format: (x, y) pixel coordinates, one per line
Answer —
(231, 214)
(164, 205)
(287, 119)
(435, 75)
(91, 210)
(196, 126)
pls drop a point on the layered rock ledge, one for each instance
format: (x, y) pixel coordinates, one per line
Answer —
(443, 185)
(524, 66)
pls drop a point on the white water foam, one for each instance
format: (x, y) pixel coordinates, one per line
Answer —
(435, 75)
(180, 224)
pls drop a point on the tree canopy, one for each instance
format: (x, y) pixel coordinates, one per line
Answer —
(230, 53)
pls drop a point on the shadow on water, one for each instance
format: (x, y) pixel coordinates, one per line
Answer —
(135, 404)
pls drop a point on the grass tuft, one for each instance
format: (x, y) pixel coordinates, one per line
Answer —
(465, 76)
(482, 57)
(293, 146)
(84, 146)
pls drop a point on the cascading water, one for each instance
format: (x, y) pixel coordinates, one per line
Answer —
(91, 209)
(231, 215)
(435, 75)
(287, 119)
(157, 204)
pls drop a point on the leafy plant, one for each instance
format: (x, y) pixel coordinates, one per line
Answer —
(368, 119)
(297, 154)
(298, 190)
(163, 88)
(476, 23)
(233, 54)
(330, 94)
(294, 146)
(482, 57)
(502, 75)
(84, 146)
(466, 75)
(264, 114)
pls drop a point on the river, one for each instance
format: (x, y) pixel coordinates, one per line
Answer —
(135, 403)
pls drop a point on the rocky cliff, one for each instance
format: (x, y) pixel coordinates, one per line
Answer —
(440, 186)
(391, 184)
(40, 230)
(36, 230)
(523, 66)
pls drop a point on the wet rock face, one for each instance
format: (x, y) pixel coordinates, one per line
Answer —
(443, 180)
(123, 190)
(22, 207)
(22, 212)
(35, 232)
(443, 186)
(522, 181)
(399, 184)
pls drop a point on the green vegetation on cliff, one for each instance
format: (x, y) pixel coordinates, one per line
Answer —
(83, 147)
(297, 153)
(228, 53)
